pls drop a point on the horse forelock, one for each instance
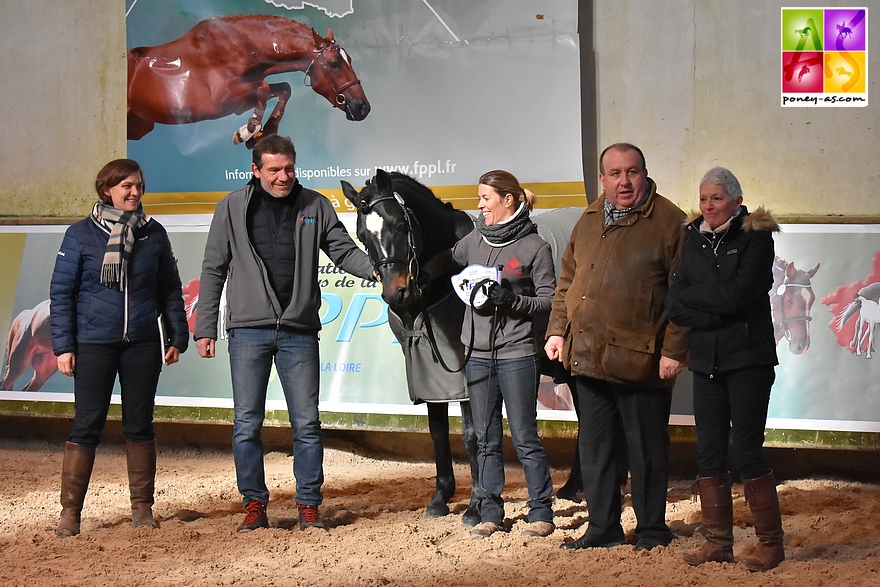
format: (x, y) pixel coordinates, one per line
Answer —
(440, 223)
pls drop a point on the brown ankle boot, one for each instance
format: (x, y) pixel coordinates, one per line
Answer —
(75, 474)
(141, 460)
(717, 526)
(764, 501)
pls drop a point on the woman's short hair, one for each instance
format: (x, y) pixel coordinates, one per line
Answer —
(503, 182)
(113, 173)
(724, 178)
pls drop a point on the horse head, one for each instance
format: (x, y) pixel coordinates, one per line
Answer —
(791, 299)
(331, 75)
(390, 233)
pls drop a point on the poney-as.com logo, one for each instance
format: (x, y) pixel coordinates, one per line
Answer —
(824, 56)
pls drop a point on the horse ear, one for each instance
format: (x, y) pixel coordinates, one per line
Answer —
(812, 271)
(319, 40)
(383, 181)
(350, 193)
(790, 270)
(329, 35)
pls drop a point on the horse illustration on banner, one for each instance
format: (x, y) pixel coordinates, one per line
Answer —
(29, 345)
(866, 309)
(219, 66)
(791, 299)
(856, 310)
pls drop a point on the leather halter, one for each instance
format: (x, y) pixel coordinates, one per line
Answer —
(411, 260)
(780, 291)
(307, 80)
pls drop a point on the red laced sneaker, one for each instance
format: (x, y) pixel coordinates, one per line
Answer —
(255, 518)
(309, 517)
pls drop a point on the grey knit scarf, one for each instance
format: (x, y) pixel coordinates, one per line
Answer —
(511, 230)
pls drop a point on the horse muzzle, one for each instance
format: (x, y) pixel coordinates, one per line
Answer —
(354, 109)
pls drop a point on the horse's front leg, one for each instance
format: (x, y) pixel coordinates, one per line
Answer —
(254, 124)
(282, 92)
(471, 515)
(438, 425)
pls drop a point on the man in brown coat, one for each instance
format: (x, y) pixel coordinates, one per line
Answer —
(608, 326)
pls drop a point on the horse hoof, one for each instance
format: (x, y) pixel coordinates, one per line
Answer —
(471, 516)
(437, 509)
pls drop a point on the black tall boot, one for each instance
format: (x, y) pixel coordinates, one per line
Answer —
(75, 474)
(717, 526)
(764, 501)
(141, 460)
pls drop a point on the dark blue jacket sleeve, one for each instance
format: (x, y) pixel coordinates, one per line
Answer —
(170, 300)
(63, 292)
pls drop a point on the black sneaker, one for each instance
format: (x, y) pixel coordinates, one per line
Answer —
(255, 518)
(309, 517)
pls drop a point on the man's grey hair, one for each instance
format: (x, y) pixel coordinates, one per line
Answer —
(724, 178)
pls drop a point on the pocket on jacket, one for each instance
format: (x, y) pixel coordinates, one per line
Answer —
(629, 355)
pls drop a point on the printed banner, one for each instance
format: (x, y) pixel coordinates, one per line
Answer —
(825, 300)
(441, 91)
(824, 56)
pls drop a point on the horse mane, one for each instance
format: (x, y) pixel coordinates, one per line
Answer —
(440, 223)
(248, 29)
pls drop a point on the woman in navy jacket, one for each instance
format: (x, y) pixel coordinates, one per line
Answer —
(115, 275)
(720, 290)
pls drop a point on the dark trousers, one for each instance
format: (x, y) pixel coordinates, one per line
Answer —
(738, 398)
(643, 412)
(138, 365)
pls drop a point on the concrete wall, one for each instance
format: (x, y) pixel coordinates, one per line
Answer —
(694, 83)
(63, 102)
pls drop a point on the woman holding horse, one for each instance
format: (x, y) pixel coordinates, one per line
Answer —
(115, 279)
(503, 364)
(720, 290)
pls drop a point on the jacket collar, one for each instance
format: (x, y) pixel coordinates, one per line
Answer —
(645, 209)
(760, 219)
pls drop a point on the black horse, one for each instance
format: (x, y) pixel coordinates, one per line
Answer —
(403, 224)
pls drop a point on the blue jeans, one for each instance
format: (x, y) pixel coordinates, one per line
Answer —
(515, 382)
(251, 352)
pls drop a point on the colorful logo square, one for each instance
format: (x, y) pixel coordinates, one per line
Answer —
(802, 72)
(846, 29)
(845, 72)
(824, 56)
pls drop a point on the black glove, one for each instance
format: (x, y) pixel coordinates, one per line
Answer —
(501, 296)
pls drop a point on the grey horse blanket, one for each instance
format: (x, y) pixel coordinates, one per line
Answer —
(426, 378)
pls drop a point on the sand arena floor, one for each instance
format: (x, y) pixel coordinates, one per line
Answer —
(379, 535)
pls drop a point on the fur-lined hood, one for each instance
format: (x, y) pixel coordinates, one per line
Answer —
(760, 219)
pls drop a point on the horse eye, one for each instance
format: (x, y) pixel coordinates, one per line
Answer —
(401, 227)
(335, 64)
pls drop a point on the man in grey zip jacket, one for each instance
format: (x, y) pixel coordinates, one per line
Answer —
(263, 244)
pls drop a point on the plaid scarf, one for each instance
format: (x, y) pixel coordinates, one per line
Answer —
(121, 241)
(612, 214)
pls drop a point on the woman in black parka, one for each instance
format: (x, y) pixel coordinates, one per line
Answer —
(721, 291)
